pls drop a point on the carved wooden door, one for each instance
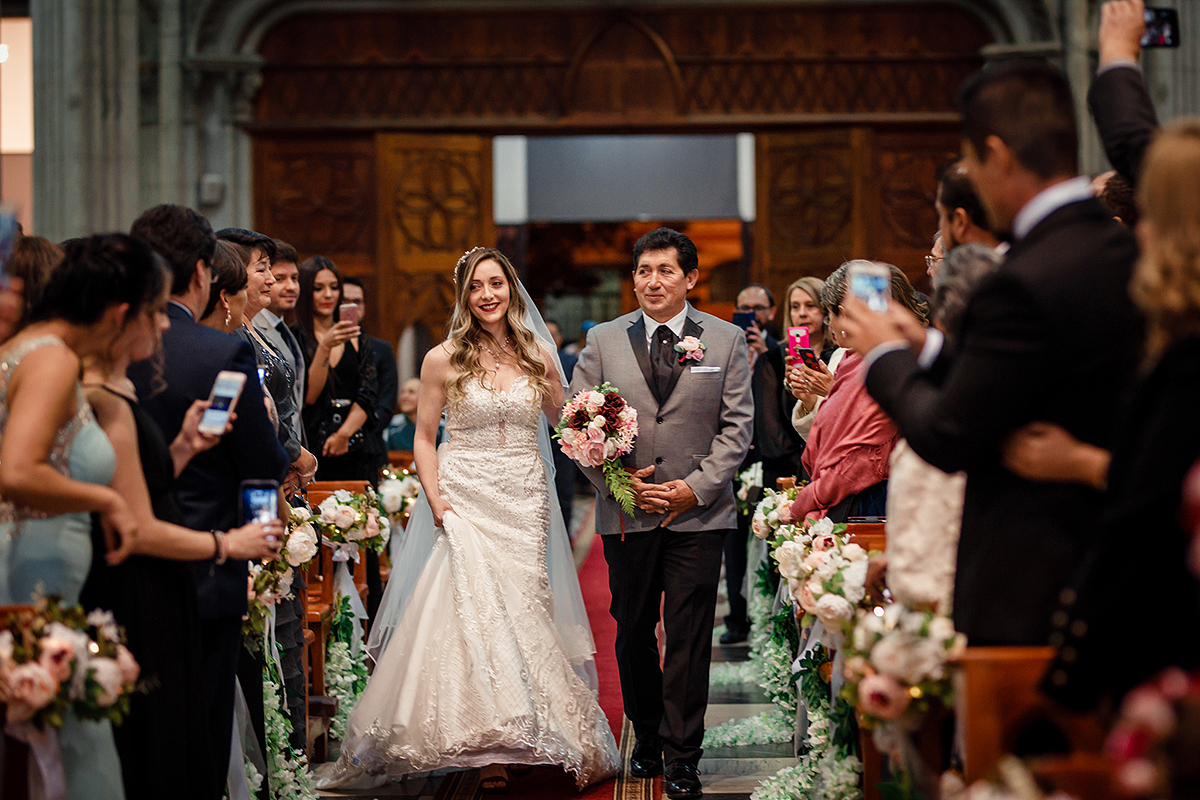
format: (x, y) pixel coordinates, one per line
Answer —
(828, 196)
(434, 203)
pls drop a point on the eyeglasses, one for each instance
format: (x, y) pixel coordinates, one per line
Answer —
(744, 309)
(932, 261)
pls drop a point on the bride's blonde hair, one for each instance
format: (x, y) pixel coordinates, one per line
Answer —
(466, 335)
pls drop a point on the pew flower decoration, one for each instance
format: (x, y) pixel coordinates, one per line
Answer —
(772, 513)
(271, 581)
(398, 493)
(1156, 721)
(827, 579)
(597, 428)
(895, 665)
(56, 659)
(349, 520)
(749, 480)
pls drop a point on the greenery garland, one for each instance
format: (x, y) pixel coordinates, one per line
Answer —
(287, 770)
(345, 673)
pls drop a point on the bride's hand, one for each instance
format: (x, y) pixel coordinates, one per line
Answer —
(439, 507)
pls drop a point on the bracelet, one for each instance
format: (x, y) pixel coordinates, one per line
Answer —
(222, 552)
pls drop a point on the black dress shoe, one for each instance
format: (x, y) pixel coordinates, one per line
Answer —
(735, 635)
(646, 760)
(682, 781)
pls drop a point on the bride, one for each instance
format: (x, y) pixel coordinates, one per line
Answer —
(486, 653)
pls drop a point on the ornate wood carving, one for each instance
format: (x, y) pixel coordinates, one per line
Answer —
(434, 201)
(562, 67)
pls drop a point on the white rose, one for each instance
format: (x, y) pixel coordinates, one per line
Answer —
(758, 524)
(343, 496)
(328, 509)
(854, 580)
(822, 527)
(863, 635)
(791, 560)
(301, 545)
(300, 514)
(6, 647)
(105, 622)
(107, 673)
(30, 687)
(853, 552)
(128, 664)
(828, 568)
(610, 449)
(285, 582)
(785, 512)
(941, 629)
(834, 611)
(906, 658)
(392, 494)
(344, 516)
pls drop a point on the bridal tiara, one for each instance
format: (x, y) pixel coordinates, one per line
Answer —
(463, 260)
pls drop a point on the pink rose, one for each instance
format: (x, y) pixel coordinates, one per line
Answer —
(57, 658)
(785, 513)
(814, 560)
(30, 688)
(823, 543)
(882, 696)
(593, 454)
(807, 598)
(130, 670)
(595, 433)
(372, 525)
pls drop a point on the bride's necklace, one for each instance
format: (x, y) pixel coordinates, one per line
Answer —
(493, 353)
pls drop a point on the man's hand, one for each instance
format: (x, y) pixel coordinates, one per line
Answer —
(755, 339)
(863, 329)
(651, 505)
(1122, 23)
(676, 496)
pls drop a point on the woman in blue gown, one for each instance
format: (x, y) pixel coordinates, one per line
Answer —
(56, 463)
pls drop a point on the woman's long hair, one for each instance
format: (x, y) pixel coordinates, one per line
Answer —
(466, 336)
(1166, 280)
(305, 308)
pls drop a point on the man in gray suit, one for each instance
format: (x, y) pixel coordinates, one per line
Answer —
(695, 419)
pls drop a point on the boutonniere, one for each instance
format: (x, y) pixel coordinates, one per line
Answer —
(690, 349)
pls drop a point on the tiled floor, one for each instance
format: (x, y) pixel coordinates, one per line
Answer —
(727, 773)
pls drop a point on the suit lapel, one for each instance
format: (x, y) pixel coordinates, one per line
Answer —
(690, 328)
(637, 340)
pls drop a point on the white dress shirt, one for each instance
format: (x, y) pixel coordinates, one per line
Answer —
(675, 323)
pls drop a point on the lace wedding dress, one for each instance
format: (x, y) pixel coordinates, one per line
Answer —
(476, 671)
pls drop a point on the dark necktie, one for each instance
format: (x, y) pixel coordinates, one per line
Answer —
(662, 358)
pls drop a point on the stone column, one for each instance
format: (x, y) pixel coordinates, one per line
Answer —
(85, 159)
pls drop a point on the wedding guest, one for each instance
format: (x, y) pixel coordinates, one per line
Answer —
(1115, 193)
(924, 504)
(847, 452)
(1120, 105)
(387, 378)
(12, 306)
(1158, 440)
(403, 427)
(207, 489)
(807, 387)
(32, 259)
(341, 395)
(1053, 335)
(271, 323)
(961, 216)
(161, 742)
(56, 463)
(226, 304)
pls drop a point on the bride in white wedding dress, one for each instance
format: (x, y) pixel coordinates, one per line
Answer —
(479, 669)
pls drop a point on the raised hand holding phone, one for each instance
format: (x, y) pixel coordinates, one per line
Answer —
(221, 401)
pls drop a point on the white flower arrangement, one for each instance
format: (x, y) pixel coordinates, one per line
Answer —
(398, 494)
(774, 511)
(896, 664)
(345, 672)
(770, 727)
(351, 520)
(747, 480)
(287, 770)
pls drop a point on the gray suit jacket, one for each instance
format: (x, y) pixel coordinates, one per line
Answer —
(700, 431)
(263, 325)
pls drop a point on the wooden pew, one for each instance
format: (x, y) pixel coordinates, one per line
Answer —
(318, 491)
(400, 459)
(868, 535)
(997, 697)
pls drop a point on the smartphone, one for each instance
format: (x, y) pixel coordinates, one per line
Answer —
(260, 501)
(226, 390)
(9, 233)
(806, 355)
(348, 312)
(1162, 28)
(797, 338)
(744, 319)
(872, 283)
(262, 377)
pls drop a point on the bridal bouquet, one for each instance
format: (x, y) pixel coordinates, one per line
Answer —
(596, 429)
(896, 663)
(56, 659)
(349, 520)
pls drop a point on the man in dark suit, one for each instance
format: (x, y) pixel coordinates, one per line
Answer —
(207, 488)
(695, 419)
(1051, 336)
(1118, 98)
(388, 381)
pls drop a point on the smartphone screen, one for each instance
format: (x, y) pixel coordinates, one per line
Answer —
(743, 319)
(260, 501)
(1162, 28)
(225, 392)
(348, 312)
(808, 357)
(872, 283)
